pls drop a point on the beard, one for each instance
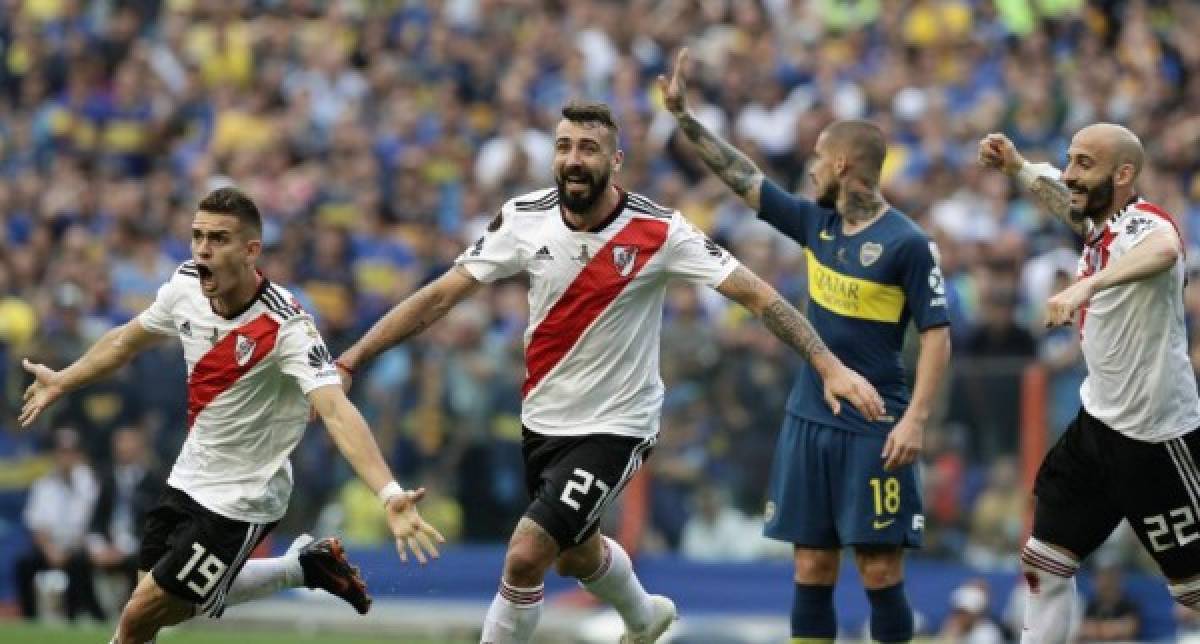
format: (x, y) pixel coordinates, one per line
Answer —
(828, 199)
(1099, 199)
(581, 203)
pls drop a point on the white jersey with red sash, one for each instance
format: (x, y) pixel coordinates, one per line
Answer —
(1135, 341)
(248, 379)
(595, 305)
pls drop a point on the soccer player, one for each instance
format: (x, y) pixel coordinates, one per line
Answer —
(598, 259)
(845, 479)
(255, 365)
(1129, 452)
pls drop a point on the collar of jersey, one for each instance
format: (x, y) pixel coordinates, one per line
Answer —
(1098, 231)
(262, 287)
(607, 220)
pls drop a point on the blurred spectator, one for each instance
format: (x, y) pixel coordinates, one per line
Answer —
(716, 530)
(129, 488)
(997, 519)
(970, 621)
(56, 514)
(1110, 615)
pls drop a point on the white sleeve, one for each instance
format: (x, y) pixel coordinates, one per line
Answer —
(692, 256)
(158, 318)
(1139, 226)
(496, 254)
(304, 356)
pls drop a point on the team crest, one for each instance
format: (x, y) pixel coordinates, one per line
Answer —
(869, 253)
(244, 349)
(623, 258)
(185, 328)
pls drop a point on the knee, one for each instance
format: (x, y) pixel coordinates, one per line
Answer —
(880, 569)
(580, 561)
(816, 567)
(525, 565)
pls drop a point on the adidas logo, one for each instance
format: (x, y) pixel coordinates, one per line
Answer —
(543, 253)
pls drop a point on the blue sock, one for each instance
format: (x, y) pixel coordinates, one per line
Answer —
(891, 616)
(812, 613)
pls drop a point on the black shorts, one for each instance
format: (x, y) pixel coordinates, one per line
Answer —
(571, 480)
(194, 553)
(1095, 476)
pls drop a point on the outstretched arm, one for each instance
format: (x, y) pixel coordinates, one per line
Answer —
(412, 316)
(354, 440)
(789, 325)
(113, 350)
(1042, 179)
(726, 161)
(1158, 252)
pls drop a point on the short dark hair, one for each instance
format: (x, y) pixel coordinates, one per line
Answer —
(581, 112)
(233, 202)
(862, 142)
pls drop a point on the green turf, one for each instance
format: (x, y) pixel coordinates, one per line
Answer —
(17, 633)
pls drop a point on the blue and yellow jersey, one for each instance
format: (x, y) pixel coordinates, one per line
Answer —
(863, 290)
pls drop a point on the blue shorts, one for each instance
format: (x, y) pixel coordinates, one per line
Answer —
(828, 489)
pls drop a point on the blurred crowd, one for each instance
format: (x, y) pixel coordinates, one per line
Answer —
(378, 137)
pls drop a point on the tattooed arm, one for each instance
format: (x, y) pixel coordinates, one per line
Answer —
(789, 325)
(733, 167)
(727, 162)
(1042, 180)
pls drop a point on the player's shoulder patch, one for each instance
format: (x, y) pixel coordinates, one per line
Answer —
(280, 302)
(646, 206)
(188, 269)
(537, 201)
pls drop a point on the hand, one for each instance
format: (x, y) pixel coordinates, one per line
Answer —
(903, 445)
(46, 389)
(997, 151)
(844, 383)
(1061, 308)
(675, 91)
(410, 530)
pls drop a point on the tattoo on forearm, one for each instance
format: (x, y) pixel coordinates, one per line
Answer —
(792, 327)
(1054, 197)
(733, 167)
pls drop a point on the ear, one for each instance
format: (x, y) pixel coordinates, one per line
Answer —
(841, 166)
(618, 159)
(1124, 174)
(253, 250)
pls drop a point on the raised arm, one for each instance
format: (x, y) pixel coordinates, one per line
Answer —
(354, 440)
(789, 325)
(112, 351)
(411, 316)
(726, 161)
(1041, 179)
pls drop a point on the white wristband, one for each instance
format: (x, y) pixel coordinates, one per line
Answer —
(1030, 172)
(390, 490)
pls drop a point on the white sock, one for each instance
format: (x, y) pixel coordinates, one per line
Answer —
(616, 584)
(262, 577)
(1051, 578)
(513, 615)
(1187, 593)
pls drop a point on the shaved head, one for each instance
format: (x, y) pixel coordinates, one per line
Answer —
(1115, 144)
(861, 143)
(1103, 163)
